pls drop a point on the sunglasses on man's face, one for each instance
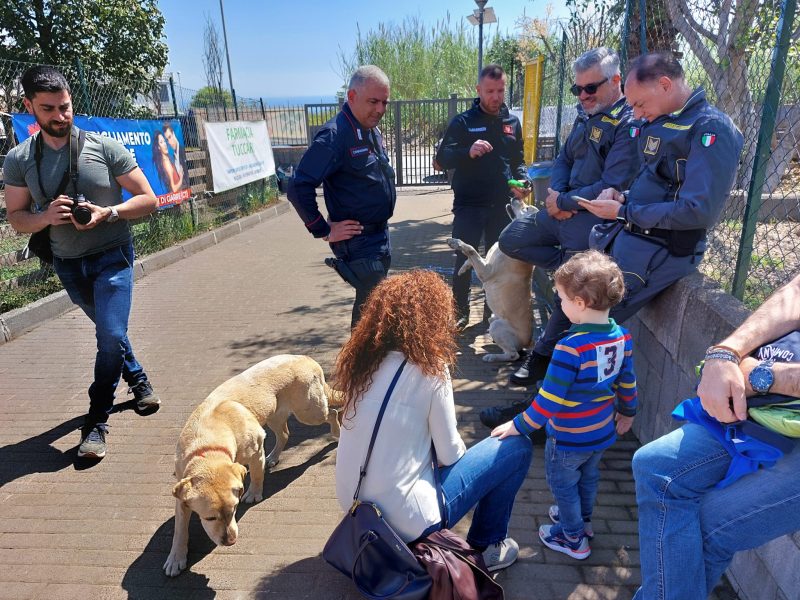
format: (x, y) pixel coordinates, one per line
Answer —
(589, 89)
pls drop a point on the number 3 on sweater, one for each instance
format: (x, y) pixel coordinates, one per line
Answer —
(609, 359)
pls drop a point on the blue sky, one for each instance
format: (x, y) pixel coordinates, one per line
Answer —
(291, 48)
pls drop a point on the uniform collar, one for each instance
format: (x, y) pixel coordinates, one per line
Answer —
(696, 97)
(476, 104)
(359, 132)
(612, 111)
(593, 327)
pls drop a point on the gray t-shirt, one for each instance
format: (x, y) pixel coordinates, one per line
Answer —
(102, 160)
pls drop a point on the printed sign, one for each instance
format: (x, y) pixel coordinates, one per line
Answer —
(609, 359)
(240, 153)
(157, 147)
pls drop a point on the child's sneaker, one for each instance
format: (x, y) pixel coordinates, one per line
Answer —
(587, 523)
(554, 538)
(501, 555)
(93, 441)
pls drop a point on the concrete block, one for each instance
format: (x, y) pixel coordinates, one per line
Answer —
(250, 221)
(21, 320)
(138, 270)
(201, 242)
(751, 577)
(649, 348)
(227, 231)
(783, 559)
(162, 258)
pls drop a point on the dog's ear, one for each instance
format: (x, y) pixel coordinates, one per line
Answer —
(240, 470)
(182, 488)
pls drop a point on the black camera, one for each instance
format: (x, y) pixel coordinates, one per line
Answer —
(82, 214)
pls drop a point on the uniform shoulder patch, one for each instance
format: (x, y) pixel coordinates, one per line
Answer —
(508, 129)
(652, 145)
(677, 126)
(634, 131)
(614, 122)
(708, 139)
(596, 134)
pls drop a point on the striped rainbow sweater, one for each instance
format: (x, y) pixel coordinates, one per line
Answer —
(590, 374)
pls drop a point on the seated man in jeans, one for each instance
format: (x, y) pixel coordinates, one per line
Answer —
(689, 530)
(93, 260)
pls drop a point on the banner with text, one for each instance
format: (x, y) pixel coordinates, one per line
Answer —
(240, 152)
(157, 147)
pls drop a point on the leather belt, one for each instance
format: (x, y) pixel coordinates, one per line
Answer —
(370, 228)
(653, 232)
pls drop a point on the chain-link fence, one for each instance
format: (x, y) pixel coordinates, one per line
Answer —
(751, 73)
(23, 280)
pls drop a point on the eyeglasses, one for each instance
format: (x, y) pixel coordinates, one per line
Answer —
(589, 89)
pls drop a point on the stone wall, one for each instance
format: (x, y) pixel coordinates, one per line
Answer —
(670, 338)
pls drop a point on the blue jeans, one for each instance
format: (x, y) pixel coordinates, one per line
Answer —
(102, 286)
(544, 241)
(572, 477)
(688, 529)
(487, 477)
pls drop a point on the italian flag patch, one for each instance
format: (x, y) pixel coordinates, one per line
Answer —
(634, 132)
(708, 139)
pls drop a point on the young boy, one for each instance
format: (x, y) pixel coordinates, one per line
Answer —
(589, 385)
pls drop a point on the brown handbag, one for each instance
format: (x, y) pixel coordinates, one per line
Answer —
(456, 568)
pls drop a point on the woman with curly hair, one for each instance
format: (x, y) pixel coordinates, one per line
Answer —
(411, 317)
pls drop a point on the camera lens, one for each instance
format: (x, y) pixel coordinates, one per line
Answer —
(82, 214)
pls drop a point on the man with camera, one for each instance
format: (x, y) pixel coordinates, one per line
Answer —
(90, 238)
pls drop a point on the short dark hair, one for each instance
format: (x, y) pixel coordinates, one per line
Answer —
(492, 71)
(593, 276)
(649, 67)
(43, 78)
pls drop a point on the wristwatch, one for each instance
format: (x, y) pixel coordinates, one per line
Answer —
(761, 378)
(621, 215)
(113, 216)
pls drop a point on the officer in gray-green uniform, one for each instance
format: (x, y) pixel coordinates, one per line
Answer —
(93, 257)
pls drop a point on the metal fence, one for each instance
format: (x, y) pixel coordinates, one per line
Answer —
(747, 61)
(24, 280)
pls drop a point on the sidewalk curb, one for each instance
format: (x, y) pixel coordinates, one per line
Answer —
(21, 320)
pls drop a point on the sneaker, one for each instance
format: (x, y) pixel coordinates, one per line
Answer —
(93, 441)
(587, 523)
(501, 555)
(554, 538)
(144, 395)
(461, 323)
(533, 370)
(497, 415)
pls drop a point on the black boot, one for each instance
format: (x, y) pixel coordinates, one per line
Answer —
(532, 371)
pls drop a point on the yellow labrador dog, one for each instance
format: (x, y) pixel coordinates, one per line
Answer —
(225, 435)
(507, 285)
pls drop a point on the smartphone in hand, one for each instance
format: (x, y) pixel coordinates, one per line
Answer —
(580, 199)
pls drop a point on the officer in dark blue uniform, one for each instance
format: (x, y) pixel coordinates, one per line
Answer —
(485, 147)
(349, 159)
(601, 152)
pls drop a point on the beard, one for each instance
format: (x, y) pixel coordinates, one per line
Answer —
(55, 131)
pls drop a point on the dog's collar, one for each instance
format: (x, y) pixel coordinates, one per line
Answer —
(205, 449)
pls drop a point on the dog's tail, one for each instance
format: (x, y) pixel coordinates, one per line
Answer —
(335, 397)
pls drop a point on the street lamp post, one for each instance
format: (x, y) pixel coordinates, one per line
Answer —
(479, 17)
(228, 58)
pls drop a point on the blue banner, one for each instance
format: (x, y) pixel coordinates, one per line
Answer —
(157, 147)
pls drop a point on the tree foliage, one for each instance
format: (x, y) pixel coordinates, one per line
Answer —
(120, 40)
(421, 61)
(208, 97)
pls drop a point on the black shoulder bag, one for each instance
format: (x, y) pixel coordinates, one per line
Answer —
(39, 242)
(365, 548)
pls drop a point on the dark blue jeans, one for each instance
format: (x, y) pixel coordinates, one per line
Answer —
(102, 286)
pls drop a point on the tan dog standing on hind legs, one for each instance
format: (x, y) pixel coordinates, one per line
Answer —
(507, 285)
(225, 435)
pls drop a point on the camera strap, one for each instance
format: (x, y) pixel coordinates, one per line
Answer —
(76, 141)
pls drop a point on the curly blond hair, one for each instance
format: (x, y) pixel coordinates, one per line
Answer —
(412, 313)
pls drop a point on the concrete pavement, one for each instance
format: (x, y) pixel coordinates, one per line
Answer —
(75, 530)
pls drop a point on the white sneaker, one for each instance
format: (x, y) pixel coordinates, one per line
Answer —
(501, 555)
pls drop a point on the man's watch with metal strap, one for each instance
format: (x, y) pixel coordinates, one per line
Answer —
(762, 377)
(113, 215)
(621, 215)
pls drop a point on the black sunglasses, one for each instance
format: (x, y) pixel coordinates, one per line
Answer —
(589, 89)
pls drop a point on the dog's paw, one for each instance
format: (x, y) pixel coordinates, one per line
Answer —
(252, 495)
(493, 358)
(175, 564)
(271, 462)
(454, 243)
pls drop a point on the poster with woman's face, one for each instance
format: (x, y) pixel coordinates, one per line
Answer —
(157, 147)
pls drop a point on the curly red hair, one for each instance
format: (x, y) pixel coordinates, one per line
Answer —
(412, 313)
